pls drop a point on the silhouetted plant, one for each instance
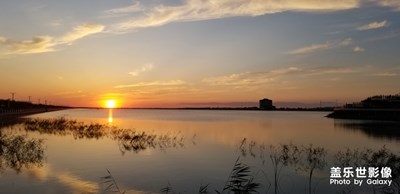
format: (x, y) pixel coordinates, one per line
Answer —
(203, 189)
(63, 126)
(386, 158)
(352, 157)
(130, 140)
(245, 148)
(17, 151)
(167, 189)
(314, 158)
(112, 185)
(90, 131)
(240, 180)
(282, 156)
(308, 159)
(369, 158)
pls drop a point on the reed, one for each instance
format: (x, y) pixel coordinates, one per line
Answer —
(167, 189)
(111, 184)
(128, 139)
(240, 180)
(314, 158)
(18, 151)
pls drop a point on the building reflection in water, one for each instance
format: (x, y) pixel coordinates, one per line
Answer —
(376, 129)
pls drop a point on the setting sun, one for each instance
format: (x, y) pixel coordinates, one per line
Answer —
(110, 103)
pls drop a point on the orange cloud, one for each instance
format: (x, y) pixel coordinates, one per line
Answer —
(155, 83)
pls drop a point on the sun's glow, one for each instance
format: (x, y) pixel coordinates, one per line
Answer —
(110, 103)
(110, 117)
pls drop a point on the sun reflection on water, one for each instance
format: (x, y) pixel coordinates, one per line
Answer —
(110, 116)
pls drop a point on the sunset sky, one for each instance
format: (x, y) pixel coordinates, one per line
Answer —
(191, 53)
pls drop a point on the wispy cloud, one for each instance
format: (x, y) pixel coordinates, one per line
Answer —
(373, 25)
(358, 49)
(188, 10)
(250, 78)
(273, 76)
(79, 32)
(330, 70)
(3, 40)
(195, 10)
(42, 44)
(155, 83)
(386, 74)
(56, 23)
(135, 7)
(389, 3)
(320, 47)
(37, 44)
(144, 68)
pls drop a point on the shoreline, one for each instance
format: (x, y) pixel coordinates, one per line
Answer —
(13, 115)
(322, 109)
(366, 114)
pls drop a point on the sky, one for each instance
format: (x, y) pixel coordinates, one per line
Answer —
(198, 53)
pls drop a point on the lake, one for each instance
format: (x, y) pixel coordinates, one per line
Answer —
(181, 151)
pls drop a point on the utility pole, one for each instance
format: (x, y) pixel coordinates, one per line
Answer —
(29, 97)
(12, 95)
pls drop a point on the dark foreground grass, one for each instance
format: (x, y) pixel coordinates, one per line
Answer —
(303, 159)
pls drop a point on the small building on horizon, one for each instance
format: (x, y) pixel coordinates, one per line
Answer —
(266, 104)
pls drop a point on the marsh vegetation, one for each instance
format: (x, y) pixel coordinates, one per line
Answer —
(301, 159)
(19, 151)
(129, 140)
(307, 165)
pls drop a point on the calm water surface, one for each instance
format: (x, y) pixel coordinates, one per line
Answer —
(190, 148)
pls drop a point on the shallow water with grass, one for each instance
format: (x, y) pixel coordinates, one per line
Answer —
(192, 151)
